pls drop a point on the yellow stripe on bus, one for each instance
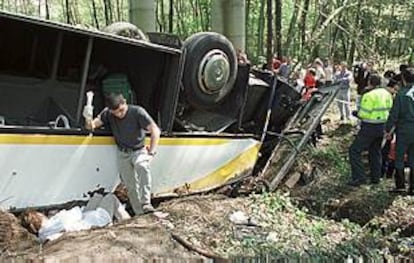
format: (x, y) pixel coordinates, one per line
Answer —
(241, 163)
(41, 139)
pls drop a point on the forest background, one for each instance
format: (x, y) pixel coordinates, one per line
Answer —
(349, 30)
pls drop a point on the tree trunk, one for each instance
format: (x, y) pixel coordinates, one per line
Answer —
(390, 30)
(121, 4)
(23, 7)
(157, 16)
(95, 15)
(108, 11)
(118, 10)
(200, 12)
(217, 16)
(76, 17)
(111, 11)
(171, 16)
(142, 14)
(180, 21)
(228, 18)
(67, 8)
(206, 7)
(291, 31)
(278, 27)
(260, 30)
(195, 13)
(335, 35)
(47, 10)
(321, 11)
(410, 33)
(269, 31)
(162, 11)
(246, 26)
(357, 24)
(303, 26)
(235, 23)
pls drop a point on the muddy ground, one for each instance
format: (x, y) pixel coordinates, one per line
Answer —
(319, 216)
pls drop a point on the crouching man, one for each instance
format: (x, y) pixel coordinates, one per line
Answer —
(128, 124)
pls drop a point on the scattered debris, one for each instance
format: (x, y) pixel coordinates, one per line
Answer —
(239, 218)
(293, 179)
(191, 247)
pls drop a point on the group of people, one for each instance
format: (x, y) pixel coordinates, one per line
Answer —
(384, 111)
(320, 74)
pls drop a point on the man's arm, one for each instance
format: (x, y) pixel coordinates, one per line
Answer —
(93, 124)
(90, 122)
(393, 116)
(155, 133)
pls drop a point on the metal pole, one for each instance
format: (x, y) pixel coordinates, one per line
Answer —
(56, 59)
(287, 165)
(269, 108)
(84, 78)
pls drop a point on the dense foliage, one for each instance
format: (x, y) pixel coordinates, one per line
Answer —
(341, 29)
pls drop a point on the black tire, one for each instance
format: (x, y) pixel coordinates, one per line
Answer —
(125, 29)
(210, 69)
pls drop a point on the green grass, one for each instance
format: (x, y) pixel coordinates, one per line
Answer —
(333, 159)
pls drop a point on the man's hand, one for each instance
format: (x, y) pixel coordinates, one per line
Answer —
(388, 136)
(149, 151)
(87, 112)
(155, 137)
(354, 113)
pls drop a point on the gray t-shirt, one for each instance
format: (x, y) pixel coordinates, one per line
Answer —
(128, 132)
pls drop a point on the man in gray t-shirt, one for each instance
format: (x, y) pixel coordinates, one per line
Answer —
(128, 124)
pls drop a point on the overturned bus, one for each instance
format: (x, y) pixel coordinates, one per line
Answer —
(220, 121)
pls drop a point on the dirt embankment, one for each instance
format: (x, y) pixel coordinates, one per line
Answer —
(320, 217)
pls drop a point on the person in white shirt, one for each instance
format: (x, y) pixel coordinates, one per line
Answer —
(329, 72)
(344, 78)
(99, 211)
(320, 73)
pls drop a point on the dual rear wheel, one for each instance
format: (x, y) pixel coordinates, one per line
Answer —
(210, 67)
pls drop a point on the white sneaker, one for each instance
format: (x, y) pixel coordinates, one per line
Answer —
(148, 208)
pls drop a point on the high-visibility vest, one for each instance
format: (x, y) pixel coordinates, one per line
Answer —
(375, 106)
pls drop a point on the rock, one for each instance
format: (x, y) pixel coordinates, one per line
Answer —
(293, 179)
(239, 218)
(272, 237)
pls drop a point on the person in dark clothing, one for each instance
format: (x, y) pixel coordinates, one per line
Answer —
(362, 73)
(388, 149)
(128, 124)
(373, 113)
(389, 74)
(402, 118)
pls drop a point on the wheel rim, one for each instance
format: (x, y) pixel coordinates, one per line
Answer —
(214, 71)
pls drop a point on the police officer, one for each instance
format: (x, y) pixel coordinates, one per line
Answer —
(402, 118)
(373, 113)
